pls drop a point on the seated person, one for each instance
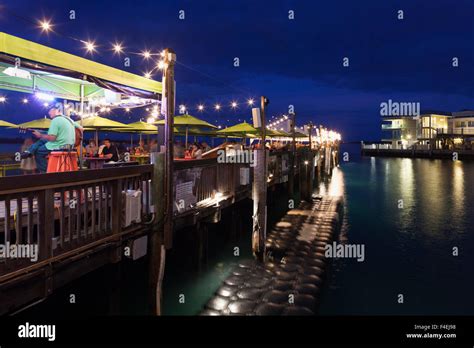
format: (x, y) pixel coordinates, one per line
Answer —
(196, 152)
(109, 151)
(61, 136)
(91, 148)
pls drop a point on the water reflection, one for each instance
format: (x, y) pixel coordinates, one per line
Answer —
(407, 249)
(335, 186)
(458, 196)
(406, 192)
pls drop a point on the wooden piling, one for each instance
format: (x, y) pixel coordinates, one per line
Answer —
(259, 192)
(157, 249)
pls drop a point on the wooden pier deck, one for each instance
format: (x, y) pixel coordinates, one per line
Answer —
(290, 282)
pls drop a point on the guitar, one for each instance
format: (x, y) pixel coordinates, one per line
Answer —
(78, 133)
(23, 130)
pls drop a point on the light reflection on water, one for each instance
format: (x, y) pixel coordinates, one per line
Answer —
(409, 214)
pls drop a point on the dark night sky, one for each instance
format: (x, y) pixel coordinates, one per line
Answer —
(296, 62)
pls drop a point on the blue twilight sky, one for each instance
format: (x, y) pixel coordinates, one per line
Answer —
(297, 62)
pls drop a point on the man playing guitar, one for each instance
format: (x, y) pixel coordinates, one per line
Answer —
(61, 136)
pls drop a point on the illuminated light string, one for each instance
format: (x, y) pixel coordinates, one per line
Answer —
(118, 48)
(154, 114)
(46, 26)
(98, 107)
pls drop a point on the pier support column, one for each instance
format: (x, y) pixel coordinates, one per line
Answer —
(259, 196)
(306, 177)
(157, 249)
(161, 237)
(259, 191)
(292, 158)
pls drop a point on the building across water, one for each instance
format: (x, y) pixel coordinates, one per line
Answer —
(430, 131)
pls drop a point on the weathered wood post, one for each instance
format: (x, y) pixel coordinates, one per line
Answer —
(291, 174)
(259, 191)
(162, 234)
(305, 174)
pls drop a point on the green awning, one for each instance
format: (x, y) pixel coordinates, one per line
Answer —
(50, 84)
(78, 69)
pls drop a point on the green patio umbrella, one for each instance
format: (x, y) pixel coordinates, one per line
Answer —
(42, 123)
(139, 127)
(7, 124)
(100, 123)
(241, 129)
(188, 121)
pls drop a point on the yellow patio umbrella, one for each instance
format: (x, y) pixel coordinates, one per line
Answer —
(7, 124)
(240, 130)
(100, 123)
(42, 123)
(137, 127)
(188, 121)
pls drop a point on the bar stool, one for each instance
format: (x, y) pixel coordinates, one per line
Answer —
(62, 161)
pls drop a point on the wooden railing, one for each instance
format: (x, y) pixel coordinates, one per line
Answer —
(63, 212)
(199, 180)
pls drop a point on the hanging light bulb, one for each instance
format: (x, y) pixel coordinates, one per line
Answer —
(90, 46)
(161, 65)
(118, 48)
(45, 25)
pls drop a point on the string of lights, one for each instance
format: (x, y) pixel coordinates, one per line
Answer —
(91, 47)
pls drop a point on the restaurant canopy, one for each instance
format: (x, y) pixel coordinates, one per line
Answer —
(26, 66)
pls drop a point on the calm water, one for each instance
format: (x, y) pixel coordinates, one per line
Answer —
(407, 251)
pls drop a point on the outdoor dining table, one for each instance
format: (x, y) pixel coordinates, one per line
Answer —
(141, 159)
